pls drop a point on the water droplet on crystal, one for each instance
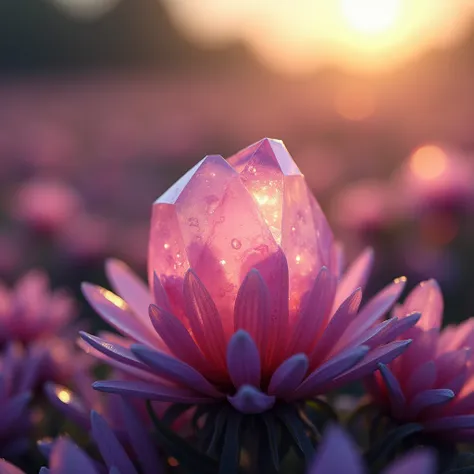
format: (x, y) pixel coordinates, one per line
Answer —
(222, 262)
(212, 202)
(298, 259)
(193, 222)
(252, 169)
(179, 259)
(236, 244)
(166, 246)
(293, 228)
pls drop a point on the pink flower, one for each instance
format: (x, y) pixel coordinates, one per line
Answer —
(432, 382)
(248, 302)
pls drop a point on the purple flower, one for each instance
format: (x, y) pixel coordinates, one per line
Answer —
(433, 382)
(67, 458)
(338, 454)
(249, 303)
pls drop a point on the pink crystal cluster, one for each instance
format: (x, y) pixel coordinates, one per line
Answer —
(246, 298)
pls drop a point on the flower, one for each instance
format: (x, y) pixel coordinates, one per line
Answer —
(17, 376)
(248, 300)
(338, 454)
(65, 457)
(432, 382)
(30, 311)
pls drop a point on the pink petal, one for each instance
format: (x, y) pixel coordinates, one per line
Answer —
(355, 277)
(130, 288)
(449, 364)
(243, 360)
(161, 298)
(251, 400)
(421, 378)
(288, 376)
(175, 371)
(116, 312)
(449, 423)
(395, 329)
(7, 468)
(427, 299)
(315, 314)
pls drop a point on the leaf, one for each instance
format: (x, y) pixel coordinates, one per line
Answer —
(190, 458)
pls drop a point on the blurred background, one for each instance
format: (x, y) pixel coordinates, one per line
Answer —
(105, 103)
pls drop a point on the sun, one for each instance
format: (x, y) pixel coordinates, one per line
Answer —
(371, 16)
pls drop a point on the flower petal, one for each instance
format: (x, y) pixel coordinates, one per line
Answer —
(449, 423)
(174, 370)
(421, 378)
(110, 449)
(429, 398)
(251, 400)
(288, 376)
(395, 393)
(7, 468)
(243, 360)
(67, 457)
(422, 461)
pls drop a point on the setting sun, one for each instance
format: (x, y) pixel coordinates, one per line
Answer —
(371, 16)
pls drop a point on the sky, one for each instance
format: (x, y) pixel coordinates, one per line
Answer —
(298, 36)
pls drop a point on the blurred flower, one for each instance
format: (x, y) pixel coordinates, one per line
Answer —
(434, 177)
(30, 311)
(17, 377)
(46, 205)
(432, 383)
(65, 457)
(247, 307)
(337, 453)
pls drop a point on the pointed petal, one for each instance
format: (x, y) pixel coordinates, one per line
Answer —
(110, 449)
(288, 376)
(449, 423)
(330, 370)
(204, 319)
(427, 299)
(395, 393)
(67, 457)
(429, 398)
(174, 370)
(315, 314)
(149, 391)
(67, 403)
(252, 309)
(7, 468)
(176, 337)
(115, 311)
(395, 329)
(337, 453)
(161, 298)
(243, 360)
(251, 400)
(138, 437)
(355, 277)
(421, 378)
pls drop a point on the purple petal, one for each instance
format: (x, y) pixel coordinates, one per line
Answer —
(67, 403)
(115, 311)
(429, 398)
(204, 319)
(150, 391)
(251, 400)
(314, 315)
(114, 351)
(110, 449)
(337, 454)
(243, 360)
(176, 337)
(355, 277)
(395, 393)
(67, 457)
(448, 423)
(161, 298)
(422, 378)
(288, 376)
(252, 308)
(423, 461)
(139, 439)
(331, 369)
(395, 329)
(174, 370)
(14, 409)
(380, 355)
(376, 308)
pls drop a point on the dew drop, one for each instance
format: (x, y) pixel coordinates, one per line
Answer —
(252, 169)
(212, 202)
(236, 244)
(293, 228)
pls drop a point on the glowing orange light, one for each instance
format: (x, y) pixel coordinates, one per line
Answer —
(64, 396)
(428, 162)
(371, 16)
(354, 104)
